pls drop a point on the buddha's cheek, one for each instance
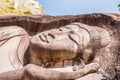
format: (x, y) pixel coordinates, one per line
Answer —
(53, 52)
(63, 49)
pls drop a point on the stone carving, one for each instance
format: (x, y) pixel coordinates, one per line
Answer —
(72, 45)
(74, 41)
(108, 56)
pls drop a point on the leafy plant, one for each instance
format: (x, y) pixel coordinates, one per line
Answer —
(119, 7)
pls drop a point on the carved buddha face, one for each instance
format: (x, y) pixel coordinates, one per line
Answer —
(59, 44)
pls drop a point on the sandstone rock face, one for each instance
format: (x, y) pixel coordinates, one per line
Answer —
(14, 41)
(109, 57)
(74, 42)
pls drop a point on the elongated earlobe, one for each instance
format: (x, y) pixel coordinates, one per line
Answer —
(88, 55)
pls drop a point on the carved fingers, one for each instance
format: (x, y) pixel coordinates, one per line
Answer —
(92, 67)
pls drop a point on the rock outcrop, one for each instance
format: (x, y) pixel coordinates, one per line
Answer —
(109, 58)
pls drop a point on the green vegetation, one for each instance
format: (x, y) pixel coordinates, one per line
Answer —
(119, 7)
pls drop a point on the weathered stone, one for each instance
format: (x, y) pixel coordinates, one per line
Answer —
(14, 41)
(110, 57)
(74, 42)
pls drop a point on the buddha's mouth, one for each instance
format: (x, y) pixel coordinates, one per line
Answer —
(46, 37)
(42, 38)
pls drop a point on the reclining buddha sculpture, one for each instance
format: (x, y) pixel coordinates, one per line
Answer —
(67, 52)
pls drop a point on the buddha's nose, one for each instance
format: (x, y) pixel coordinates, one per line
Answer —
(53, 35)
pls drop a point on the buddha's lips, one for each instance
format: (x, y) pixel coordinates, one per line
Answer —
(46, 37)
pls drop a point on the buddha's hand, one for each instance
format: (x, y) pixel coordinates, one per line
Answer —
(91, 68)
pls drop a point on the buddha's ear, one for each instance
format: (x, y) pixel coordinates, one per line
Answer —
(76, 38)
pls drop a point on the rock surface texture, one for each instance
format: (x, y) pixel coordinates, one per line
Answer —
(109, 57)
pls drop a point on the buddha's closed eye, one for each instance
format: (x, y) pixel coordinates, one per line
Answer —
(75, 38)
